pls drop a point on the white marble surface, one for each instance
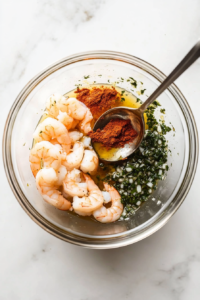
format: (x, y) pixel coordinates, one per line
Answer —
(33, 264)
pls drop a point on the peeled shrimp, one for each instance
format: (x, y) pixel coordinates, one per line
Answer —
(75, 136)
(86, 142)
(46, 180)
(65, 119)
(62, 171)
(90, 162)
(76, 109)
(74, 124)
(53, 129)
(113, 213)
(73, 160)
(85, 124)
(56, 103)
(86, 205)
(44, 154)
(72, 184)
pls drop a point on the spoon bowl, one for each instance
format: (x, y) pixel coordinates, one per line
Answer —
(137, 122)
(136, 115)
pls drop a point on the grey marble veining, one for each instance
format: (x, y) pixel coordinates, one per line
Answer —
(33, 264)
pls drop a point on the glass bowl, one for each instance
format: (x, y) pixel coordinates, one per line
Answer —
(62, 77)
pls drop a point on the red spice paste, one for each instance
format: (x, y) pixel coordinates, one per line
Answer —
(115, 134)
(98, 99)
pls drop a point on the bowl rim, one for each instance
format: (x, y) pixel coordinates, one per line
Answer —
(93, 243)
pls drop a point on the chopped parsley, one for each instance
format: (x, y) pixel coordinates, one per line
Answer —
(134, 82)
(162, 110)
(165, 128)
(142, 91)
(86, 77)
(137, 177)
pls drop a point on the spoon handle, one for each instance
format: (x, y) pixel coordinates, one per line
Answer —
(187, 61)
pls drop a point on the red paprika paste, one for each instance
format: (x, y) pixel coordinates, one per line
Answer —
(115, 134)
(98, 100)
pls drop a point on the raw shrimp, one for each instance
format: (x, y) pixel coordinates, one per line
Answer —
(86, 205)
(72, 184)
(56, 103)
(73, 160)
(53, 129)
(75, 136)
(76, 109)
(90, 162)
(65, 119)
(113, 213)
(46, 180)
(44, 154)
(85, 124)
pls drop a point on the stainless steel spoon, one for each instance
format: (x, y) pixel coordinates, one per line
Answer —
(136, 116)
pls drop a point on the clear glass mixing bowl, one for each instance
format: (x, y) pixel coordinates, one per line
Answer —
(61, 78)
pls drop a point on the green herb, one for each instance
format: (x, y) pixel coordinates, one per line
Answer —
(41, 163)
(40, 132)
(24, 144)
(162, 110)
(165, 128)
(156, 103)
(122, 99)
(134, 82)
(142, 91)
(86, 77)
(138, 100)
(99, 75)
(122, 78)
(137, 177)
(108, 80)
(141, 82)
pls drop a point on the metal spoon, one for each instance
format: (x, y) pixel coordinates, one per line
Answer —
(136, 116)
